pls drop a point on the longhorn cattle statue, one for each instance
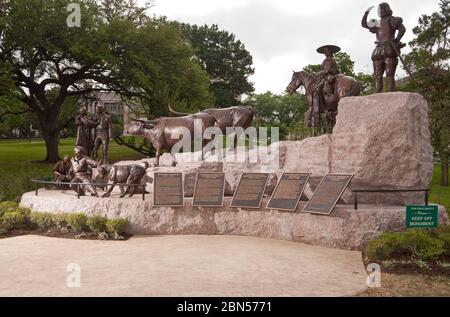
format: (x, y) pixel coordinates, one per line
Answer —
(165, 132)
(233, 117)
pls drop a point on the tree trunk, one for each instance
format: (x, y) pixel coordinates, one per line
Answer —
(444, 171)
(51, 143)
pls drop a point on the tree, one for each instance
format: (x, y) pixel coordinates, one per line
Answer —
(11, 109)
(225, 59)
(429, 62)
(347, 67)
(116, 48)
(283, 111)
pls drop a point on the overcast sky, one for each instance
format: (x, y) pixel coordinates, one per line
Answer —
(283, 35)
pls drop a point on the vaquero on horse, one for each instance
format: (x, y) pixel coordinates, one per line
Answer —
(323, 91)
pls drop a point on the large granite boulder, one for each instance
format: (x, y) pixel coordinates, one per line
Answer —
(312, 155)
(384, 139)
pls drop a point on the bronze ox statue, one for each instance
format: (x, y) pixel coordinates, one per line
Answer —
(233, 117)
(165, 132)
(323, 91)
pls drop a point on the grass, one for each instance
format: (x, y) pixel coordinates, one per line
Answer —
(21, 160)
(34, 151)
(439, 194)
(410, 285)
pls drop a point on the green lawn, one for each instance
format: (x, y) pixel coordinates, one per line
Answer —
(439, 194)
(21, 160)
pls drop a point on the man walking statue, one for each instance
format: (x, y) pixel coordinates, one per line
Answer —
(103, 134)
(386, 53)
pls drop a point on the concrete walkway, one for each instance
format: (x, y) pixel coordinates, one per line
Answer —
(177, 266)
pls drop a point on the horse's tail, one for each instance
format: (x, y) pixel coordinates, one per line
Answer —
(344, 90)
(356, 89)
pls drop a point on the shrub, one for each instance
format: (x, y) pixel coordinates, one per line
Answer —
(423, 245)
(60, 221)
(97, 224)
(443, 233)
(77, 222)
(15, 219)
(388, 245)
(7, 206)
(116, 225)
(42, 220)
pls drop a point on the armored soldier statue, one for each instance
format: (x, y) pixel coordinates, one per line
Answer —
(81, 169)
(85, 125)
(386, 53)
(103, 133)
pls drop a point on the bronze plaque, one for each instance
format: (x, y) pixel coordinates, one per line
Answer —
(209, 190)
(250, 190)
(327, 194)
(168, 190)
(289, 191)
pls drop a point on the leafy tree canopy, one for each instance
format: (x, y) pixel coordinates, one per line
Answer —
(283, 111)
(429, 62)
(225, 59)
(116, 48)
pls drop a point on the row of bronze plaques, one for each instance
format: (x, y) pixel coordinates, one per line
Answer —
(210, 187)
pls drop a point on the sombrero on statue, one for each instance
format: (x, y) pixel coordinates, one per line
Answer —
(334, 49)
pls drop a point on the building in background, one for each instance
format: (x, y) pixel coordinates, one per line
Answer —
(111, 102)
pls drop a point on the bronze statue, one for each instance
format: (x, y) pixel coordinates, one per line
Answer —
(103, 134)
(328, 73)
(81, 165)
(129, 175)
(61, 171)
(233, 117)
(164, 133)
(386, 53)
(323, 91)
(84, 131)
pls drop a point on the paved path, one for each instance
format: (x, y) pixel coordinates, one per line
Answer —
(177, 266)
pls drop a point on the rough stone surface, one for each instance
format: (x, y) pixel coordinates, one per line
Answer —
(384, 140)
(312, 155)
(344, 229)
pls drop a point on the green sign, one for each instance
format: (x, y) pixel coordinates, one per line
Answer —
(422, 217)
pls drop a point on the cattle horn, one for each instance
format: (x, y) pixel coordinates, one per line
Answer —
(137, 120)
(149, 124)
(178, 114)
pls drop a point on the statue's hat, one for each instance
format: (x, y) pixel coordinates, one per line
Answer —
(334, 49)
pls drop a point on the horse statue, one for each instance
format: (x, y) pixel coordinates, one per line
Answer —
(323, 109)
